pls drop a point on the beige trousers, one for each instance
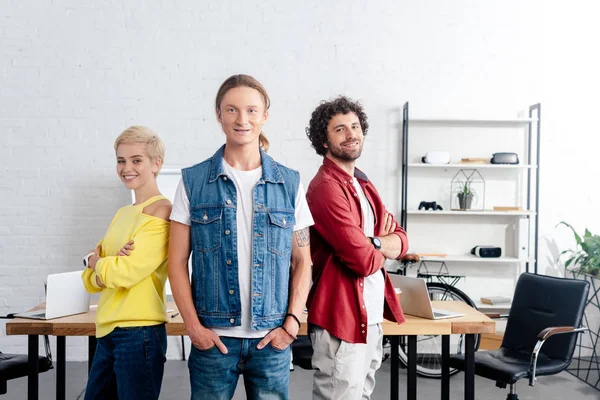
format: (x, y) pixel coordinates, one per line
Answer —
(345, 370)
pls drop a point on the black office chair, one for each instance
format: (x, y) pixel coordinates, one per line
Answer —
(14, 366)
(543, 310)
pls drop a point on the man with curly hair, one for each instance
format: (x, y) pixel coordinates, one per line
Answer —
(352, 237)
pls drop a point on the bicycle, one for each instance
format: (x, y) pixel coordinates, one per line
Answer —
(429, 347)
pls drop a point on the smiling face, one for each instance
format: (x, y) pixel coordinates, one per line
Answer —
(242, 114)
(134, 167)
(344, 138)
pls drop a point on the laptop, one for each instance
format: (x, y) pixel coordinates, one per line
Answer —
(65, 295)
(415, 299)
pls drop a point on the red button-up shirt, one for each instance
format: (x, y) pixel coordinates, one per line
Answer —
(342, 256)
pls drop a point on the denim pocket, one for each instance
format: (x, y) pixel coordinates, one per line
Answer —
(280, 230)
(275, 349)
(161, 336)
(211, 348)
(206, 227)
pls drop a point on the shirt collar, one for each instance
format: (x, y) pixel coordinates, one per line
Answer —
(340, 173)
(270, 169)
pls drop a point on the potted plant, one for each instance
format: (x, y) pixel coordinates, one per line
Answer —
(584, 263)
(465, 195)
(586, 258)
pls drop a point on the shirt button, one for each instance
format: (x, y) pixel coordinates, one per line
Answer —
(351, 181)
(363, 306)
(228, 201)
(224, 178)
(232, 320)
(354, 195)
(228, 262)
(363, 331)
(360, 284)
(231, 291)
(227, 232)
(362, 326)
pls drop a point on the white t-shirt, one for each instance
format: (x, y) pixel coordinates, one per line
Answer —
(374, 288)
(244, 184)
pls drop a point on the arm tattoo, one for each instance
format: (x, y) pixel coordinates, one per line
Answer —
(302, 237)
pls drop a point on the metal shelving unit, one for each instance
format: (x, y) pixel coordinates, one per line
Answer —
(531, 165)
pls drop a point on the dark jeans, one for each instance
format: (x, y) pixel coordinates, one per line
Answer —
(214, 376)
(129, 364)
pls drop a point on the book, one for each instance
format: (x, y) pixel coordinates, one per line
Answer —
(474, 160)
(495, 300)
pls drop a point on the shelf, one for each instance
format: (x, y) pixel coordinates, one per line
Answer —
(472, 212)
(466, 122)
(471, 258)
(471, 166)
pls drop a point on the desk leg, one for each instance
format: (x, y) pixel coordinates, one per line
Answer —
(33, 367)
(411, 386)
(61, 376)
(469, 367)
(394, 368)
(445, 367)
(92, 341)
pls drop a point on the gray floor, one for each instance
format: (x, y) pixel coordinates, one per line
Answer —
(176, 386)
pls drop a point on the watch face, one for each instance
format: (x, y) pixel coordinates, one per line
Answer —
(377, 243)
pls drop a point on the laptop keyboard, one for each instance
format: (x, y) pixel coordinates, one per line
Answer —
(440, 314)
(38, 315)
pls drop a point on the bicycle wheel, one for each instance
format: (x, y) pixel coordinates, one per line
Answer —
(429, 347)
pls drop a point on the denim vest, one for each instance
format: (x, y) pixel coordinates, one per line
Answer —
(213, 204)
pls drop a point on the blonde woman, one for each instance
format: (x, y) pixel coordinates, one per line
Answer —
(129, 269)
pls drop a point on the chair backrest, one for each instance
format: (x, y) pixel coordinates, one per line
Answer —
(541, 302)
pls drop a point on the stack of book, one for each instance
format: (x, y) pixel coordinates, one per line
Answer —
(496, 300)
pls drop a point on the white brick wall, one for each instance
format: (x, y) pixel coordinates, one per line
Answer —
(74, 74)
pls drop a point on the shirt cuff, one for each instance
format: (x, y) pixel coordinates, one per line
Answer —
(100, 271)
(404, 240)
(93, 281)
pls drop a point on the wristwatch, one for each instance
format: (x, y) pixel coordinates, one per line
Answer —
(376, 242)
(86, 259)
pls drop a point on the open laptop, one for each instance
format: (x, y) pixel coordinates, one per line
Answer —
(65, 295)
(415, 299)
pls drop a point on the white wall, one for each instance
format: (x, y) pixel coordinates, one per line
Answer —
(75, 73)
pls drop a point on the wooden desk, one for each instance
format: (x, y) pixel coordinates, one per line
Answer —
(472, 323)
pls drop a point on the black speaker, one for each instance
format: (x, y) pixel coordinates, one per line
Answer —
(487, 251)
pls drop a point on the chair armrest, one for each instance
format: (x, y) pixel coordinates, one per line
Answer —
(555, 330)
(542, 337)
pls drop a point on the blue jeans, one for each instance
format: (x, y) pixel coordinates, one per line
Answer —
(214, 376)
(128, 364)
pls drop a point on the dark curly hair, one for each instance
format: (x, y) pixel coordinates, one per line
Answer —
(317, 128)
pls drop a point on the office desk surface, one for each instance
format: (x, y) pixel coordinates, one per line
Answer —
(83, 324)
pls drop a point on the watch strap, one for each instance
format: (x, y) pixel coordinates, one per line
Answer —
(86, 259)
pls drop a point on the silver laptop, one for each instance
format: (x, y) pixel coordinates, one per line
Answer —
(415, 299)
(65, 295)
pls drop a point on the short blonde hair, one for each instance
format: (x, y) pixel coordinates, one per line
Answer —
(155, 148)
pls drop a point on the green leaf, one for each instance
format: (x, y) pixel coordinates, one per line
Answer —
(568, 262)
(577, 237)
